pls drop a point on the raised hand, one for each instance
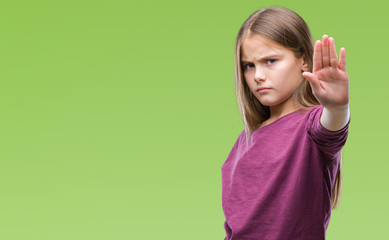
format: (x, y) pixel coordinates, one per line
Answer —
(329, 79)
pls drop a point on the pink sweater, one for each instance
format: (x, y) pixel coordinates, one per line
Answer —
(279, 186)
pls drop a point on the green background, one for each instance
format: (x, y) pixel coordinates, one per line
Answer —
(117, 116)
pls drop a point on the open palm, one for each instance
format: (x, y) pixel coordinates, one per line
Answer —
(329, 79)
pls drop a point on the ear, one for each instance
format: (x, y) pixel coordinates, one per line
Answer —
(304, 67)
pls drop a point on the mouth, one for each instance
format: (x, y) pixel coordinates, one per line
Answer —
(263, 90)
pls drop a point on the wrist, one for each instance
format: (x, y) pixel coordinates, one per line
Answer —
(335, 119)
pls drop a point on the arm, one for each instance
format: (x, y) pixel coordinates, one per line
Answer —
(329, 142)
(330, 84)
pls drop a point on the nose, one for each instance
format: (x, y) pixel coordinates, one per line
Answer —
(259, 75)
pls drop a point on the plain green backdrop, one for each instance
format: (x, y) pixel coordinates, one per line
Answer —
(116, 116)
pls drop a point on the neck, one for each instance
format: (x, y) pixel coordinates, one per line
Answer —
(281, 110)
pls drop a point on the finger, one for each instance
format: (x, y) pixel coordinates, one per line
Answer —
(317, 60)
(324, 53)
(317, 88)
(333, 55)
(342, 59)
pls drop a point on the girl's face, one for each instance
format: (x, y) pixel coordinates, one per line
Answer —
(274, 68)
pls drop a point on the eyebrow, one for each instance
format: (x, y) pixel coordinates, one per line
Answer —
(263, 58)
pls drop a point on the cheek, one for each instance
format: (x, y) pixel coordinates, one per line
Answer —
(248, 79)
(247, 76)
(294, 77)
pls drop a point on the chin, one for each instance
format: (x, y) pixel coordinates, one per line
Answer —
(272, 102)
(269, 103)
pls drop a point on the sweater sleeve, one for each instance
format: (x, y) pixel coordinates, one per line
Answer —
(329, 142)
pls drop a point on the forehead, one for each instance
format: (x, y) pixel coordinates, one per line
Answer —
(258, 46)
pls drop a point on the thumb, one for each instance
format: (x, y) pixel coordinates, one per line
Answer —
(314, 82)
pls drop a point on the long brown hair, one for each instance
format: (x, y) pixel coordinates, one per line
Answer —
(286, 28)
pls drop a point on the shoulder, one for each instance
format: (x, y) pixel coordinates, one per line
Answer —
(305, 116)
(314, 112)
(308, 112)
(240, 138)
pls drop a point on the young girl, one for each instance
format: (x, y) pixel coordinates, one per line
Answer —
(283, 175)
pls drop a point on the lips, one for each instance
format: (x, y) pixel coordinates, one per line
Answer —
(262, 89)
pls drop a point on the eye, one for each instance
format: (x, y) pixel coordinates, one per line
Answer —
(245, 66)
(271, 61)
